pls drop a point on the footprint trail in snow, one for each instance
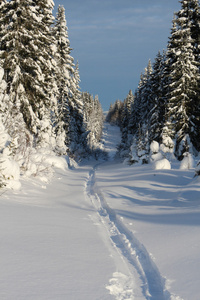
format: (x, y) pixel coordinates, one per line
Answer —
(142, 269)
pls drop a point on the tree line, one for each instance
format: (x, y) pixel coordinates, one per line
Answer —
(41, 105)
(165, 107)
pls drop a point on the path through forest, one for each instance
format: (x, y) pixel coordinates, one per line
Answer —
(102, 231)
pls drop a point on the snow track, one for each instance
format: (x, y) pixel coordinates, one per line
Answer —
(135, 255)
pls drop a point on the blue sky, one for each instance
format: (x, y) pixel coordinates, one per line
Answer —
(114, 39)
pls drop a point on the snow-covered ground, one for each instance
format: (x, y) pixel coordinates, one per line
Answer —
(102, 231)
(160, 212)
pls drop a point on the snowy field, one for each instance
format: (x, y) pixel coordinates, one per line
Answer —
(104, 231)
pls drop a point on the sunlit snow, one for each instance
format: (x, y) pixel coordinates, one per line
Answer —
(102, 230)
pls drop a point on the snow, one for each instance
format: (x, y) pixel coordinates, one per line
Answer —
(187, 162)
(160, 208)
(1, 74)
(116, 287)
(154, 147)
(50, 248)
(111, 138)
(162, 164)
(102, 230)
(10, 171)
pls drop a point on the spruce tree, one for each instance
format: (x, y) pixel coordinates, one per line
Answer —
(114, 116)
(45, 44)
(77, 131)
(126, 117)
(98, 119)
(14, 56)
(135, 117)
(70, 107)
(158, 98)
(145, 94)
(64, 72)
(108, 116)
(93, 121)
(26, 55)
(184, 78)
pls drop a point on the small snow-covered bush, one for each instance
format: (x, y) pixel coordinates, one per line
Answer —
(167, 146)
(9, 169)
(156, 156)
(10, 172)
(155, 153)
(184, 147)
(41, 163)
(154, 147)
(162, 164)
(133, 154)
(187, 162)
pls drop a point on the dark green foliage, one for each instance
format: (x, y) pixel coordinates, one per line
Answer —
(183, 96)
(114, 115)
(29, 69)
(166, 105)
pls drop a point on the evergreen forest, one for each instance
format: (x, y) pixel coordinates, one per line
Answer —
(163, 115)
(44, 113)
(42, 110)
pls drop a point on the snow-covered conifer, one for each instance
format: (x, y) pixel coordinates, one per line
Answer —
(157, 113)
(64, 73)
(184, 77)
(27, 60)
(69, 121)
(126, 137)
(134, 117)
(145, 94)
(77, 111)
(114, 116)
(142, 144)
(93, 122)
(9, 169)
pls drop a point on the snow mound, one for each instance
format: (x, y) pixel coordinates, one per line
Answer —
(41, 163)
(154, 147)
(155, 153)
(187, 162)
(10, 172)
(162, 164)
(156, 157)
(167, 145)
(56, 161)
(120, 287)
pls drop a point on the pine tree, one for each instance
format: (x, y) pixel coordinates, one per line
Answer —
(158, 98)
(64, 73)
(3, 96)
(145, 92)
(135, 109)
(194, 18)
(143, 102)
(126, 117)
(184, 77)
(29, 69)
(45, 44)
(190, 11)
(93, 122)
(12, 52)
(77, 128)
(114, 116)
(108, 116)
(98, 119)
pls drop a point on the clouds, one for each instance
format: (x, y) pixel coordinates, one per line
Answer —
(113, 40)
